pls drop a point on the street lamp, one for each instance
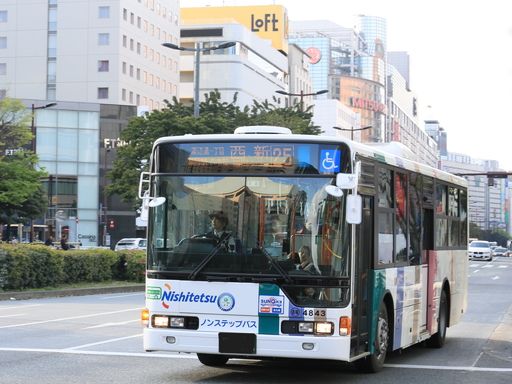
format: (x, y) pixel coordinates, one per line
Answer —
(197, 50)
(351, 130)
(33, 125)
(301, 95)
(33, 130)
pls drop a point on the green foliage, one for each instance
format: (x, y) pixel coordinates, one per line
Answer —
(24, 266)
(21, 193)
(14, 125)
(216, 116)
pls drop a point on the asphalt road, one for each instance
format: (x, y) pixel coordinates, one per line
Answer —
(98, 339)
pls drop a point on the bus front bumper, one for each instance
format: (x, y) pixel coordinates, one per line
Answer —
(285, 346)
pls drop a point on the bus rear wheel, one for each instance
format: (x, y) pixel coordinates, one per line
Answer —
(374, 362)
(437, 340)
(212, 360)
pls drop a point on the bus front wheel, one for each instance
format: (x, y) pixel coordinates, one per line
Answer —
(212, 360)
(374, 362)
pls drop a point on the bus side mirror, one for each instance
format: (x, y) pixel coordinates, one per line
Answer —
(354, 209)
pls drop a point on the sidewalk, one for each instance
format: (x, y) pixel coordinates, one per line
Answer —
(32, 294)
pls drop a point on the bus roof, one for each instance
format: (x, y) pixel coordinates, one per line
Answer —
(381, 152)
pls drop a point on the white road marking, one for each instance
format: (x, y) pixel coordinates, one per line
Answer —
(118, 296)
(18, 314)
(495, 278)
(488, 266)
(99, 353)
(503, 266)
(68, 318)
(448, 368)
(20, 306)
(111, 324)
(104, 342)
(193, 356)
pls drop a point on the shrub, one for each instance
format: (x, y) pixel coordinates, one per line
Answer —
(25, 266)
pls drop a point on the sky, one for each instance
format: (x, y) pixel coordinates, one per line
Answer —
(460, 61)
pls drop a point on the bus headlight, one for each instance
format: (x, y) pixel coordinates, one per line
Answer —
(160, 321)
(306, 327)
(177, 322)
(324, 328)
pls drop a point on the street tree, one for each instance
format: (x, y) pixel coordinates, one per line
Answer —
(21, 191)
(176, 119)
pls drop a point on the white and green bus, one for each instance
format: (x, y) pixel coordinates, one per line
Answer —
(381, 244)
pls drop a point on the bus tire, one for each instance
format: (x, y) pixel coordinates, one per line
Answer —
(374, 362)
(437, 340)
(212, 360)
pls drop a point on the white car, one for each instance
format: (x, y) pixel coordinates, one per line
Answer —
(480, 250)
(131, 243)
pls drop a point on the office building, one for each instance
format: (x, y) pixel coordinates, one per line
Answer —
(106, 52)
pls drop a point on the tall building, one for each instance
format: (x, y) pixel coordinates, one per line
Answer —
(89, 51)
(253, 69)
(488, 202)
(97, 61)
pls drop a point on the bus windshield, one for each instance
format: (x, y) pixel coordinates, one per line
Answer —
(269, 229)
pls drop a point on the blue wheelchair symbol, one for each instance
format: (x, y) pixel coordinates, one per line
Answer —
(329, 161)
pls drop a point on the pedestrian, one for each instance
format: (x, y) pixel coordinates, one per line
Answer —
(49, 241)
(64, 243)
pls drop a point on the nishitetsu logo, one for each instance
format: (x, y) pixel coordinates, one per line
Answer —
(169, 296)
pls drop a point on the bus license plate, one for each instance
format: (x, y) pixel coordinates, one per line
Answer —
(237, 343)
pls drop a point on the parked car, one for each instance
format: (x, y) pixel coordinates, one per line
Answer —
(500, 251)
(131, 243)
(480, 250)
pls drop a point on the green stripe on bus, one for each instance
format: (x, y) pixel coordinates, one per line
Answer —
(268, 323)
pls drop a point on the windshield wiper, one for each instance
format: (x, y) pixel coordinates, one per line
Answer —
(276, 265)
(206, 260)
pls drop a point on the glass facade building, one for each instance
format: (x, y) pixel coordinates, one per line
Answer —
(67, 145)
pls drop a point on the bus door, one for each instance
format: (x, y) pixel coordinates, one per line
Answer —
(363, 255)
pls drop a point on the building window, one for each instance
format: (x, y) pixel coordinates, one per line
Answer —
(125, 39)
(103, 65)
(3, 16)
(123, 94)
(125, 14)
(3, 42)
(131, 70)
(103, 39)
(102, 93)
(124, 67)
(104, 12)
(3, 68)
(138, 48)
(3, 93)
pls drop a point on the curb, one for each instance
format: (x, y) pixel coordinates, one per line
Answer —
(26, 295)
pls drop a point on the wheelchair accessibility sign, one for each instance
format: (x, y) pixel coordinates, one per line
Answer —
(329, 161)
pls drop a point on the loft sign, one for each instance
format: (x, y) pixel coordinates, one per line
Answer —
(265, 24)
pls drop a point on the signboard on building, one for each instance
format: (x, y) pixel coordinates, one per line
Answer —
(268, 22)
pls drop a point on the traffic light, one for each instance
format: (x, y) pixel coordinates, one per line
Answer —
(111, 224)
